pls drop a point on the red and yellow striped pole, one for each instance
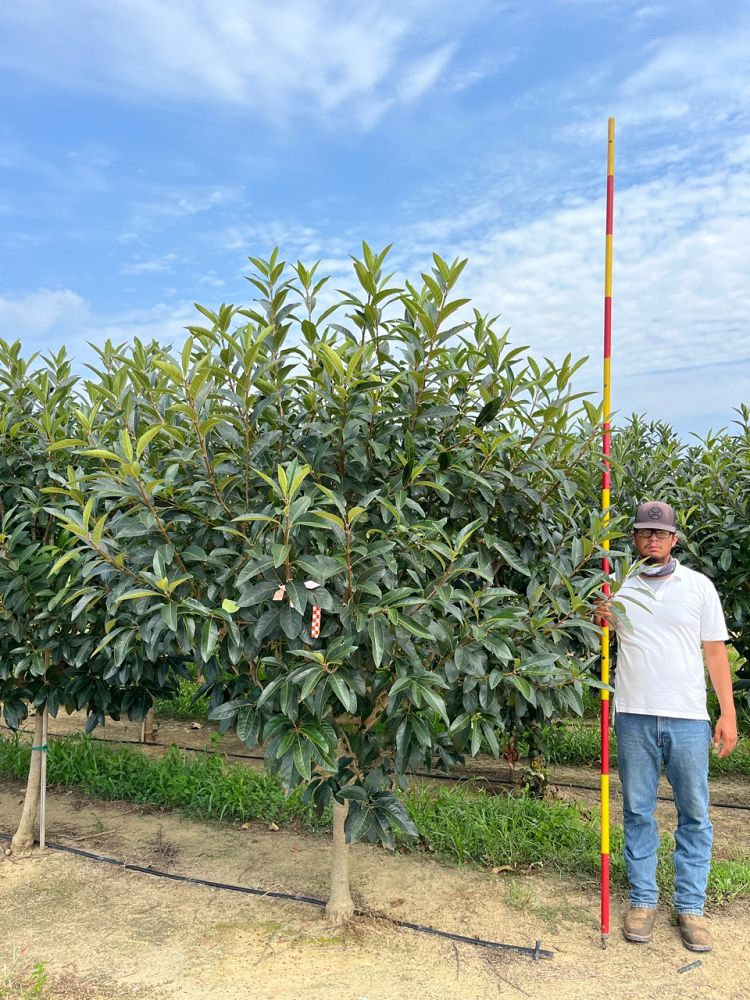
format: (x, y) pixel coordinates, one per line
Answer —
(606, 429)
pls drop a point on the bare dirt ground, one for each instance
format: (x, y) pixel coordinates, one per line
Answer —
(109, 934)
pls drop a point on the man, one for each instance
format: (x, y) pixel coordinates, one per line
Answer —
(661, 719)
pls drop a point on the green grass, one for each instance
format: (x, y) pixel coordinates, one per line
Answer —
(461, 824)
(184, 705)
(470, 826)
(21, 978)
(577, 743)
(204, 786)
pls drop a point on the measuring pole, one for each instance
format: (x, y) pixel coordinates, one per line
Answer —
(43, 781)
(606, 430)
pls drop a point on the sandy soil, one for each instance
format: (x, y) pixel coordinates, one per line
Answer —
(108, 934)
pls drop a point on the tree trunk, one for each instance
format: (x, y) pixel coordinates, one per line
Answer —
(340, 907)
(23, 841)
(149, 727)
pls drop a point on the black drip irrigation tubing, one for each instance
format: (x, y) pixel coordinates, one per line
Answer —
(536, 952)
(430, 775)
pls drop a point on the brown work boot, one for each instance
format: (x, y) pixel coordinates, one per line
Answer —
(694, 932)
(639, 924)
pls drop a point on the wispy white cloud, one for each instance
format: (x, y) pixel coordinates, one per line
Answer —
(85, 167)
(192, 203)
(649, 12)
(681, 295)
(256, 237)
(46, 319)
(696, 67)
(212, 280)
(738, 152)
(153, 265)
(678, 84)
(462, 78)
(32, 317)
(157, 204)
(422, 74)
(163, 322)
(279, 58)
(295, 242)
(693, 400)
(681, 288)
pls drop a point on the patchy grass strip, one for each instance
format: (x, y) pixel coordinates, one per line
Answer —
(205, 786)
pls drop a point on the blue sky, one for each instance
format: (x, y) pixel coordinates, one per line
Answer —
(148, 146)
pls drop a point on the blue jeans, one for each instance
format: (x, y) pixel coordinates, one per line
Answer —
(644, 743)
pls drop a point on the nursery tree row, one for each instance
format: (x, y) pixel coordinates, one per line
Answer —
(381, 462)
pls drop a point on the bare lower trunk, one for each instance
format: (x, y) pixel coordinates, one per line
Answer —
(340, 907)
(23, 841)
(149, 727)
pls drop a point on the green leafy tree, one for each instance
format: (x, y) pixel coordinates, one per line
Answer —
(715, 493)
(389, 461)
(52, 621)
(708, 482)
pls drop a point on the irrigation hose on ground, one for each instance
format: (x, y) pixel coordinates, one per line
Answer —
(430, 775)
(536, 952)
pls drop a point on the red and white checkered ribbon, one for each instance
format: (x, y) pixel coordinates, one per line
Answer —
(315, 628)
(316, 611)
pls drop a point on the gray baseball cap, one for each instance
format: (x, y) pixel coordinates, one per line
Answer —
(655, 514)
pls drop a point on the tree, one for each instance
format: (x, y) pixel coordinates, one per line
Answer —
(715, 493)
(708, 482)
(52, 620)
(404, 472)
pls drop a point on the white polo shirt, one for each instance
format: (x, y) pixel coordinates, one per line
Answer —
(659, 661)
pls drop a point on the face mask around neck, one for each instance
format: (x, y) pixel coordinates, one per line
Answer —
(656, 571)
